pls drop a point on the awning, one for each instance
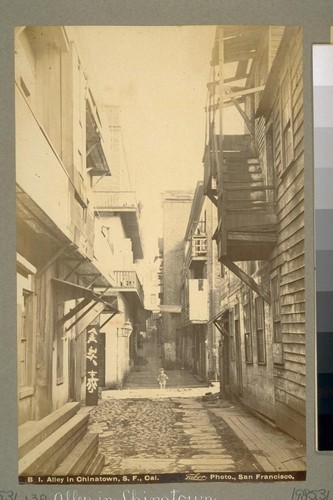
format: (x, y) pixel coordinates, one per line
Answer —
(71, 291)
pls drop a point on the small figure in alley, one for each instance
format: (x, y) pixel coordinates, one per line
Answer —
(162, 378)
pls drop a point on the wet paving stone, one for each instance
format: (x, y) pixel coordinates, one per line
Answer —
(138, 427)
(147, 436)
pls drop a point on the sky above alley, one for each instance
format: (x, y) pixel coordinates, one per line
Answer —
(158, 77)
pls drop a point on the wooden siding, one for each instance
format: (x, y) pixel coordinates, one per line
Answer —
(275, 35)
(286, 260)
(262, 67)
(288, 256)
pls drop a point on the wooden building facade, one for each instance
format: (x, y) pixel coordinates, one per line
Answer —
(200, 291)
(255, 177)
(67, 278)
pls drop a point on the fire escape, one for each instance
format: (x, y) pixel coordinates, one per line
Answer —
(234, 178)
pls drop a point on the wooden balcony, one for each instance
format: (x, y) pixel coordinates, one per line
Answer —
(124, 203)
(128, 282)
(196, 247)
(246, 205)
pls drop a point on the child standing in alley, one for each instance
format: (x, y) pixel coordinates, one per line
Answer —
(162, 379)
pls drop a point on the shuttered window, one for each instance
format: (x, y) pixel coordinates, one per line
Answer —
(247, 333)
(277, 331)
(260, 330)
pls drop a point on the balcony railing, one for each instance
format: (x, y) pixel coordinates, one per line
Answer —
(129, 280)
(199, 247)
(196, 249)
(116, 200)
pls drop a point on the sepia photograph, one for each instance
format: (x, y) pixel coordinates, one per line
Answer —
(160, 254)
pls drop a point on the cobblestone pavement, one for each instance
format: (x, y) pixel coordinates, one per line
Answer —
(166, 435)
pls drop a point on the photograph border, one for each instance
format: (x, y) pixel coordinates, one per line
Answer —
(316, 17)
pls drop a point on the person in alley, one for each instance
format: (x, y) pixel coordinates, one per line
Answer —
(162, 379)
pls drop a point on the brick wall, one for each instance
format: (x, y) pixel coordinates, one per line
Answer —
(176, 210)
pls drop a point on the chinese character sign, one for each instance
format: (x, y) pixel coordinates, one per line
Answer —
(92, 365)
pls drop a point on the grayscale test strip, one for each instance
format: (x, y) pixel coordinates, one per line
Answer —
(323, 163)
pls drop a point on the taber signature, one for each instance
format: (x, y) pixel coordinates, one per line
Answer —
(196, 477)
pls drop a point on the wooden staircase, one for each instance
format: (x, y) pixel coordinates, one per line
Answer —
(246, 205)
(59, 445)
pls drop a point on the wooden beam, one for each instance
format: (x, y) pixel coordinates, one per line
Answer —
(53, 259)
(227, 98)
(241, 93)
(82, 316)
(221, 328)
(106, 289)
(260, 290)
(241, 70)
(109, 319)
(212, 197)
(74, 269)
(250, 237)
(92, 148)
(97, 275)
(72, 312)
(246, 119)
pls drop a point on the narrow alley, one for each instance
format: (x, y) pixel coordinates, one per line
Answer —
(201, 274)
(185, 428)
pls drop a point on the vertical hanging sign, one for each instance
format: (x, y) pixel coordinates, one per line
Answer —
(92, 365)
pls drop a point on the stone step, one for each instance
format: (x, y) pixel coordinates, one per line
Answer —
(80, 457)
(48, 454)
(96, 465)
(31, 433)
